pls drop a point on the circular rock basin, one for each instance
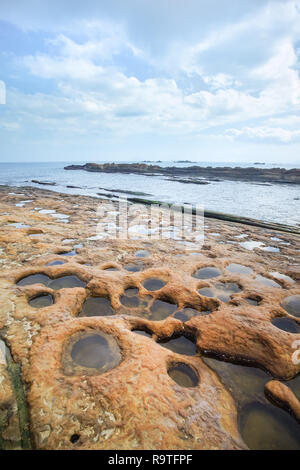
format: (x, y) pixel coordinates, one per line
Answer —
(187, 313)
(130, 298)
(91, 353)
(179, 345)
(110, 268)
(268, 428)
(55, 263)
(69, 253)
(183, 375)
(266, 281)
(142, 253)
(40, 301)
(207, 272)
(236, 268)
(286, 324)
(96, 306)
(34, 279)
(134, 267)
(292, 305)
(66, 282)
(252, 301)
(222, 291)
(153, 283)
(161, 309)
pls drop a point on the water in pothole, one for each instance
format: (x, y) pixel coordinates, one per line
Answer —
(183, 375)
(40, 301)
(179, 345)
(266, 281)
(161, 309)
(236, 268)
(69, 253)
(207, 272)
(66, 282)
(153, 284)
(251, 301)
(34, 279)
(271, 429)
(130, 298)
(292, 305)
(286, 324)
(96, 351)
(134, 267)
(142, 253)
(222, 291)
(19, 225)
(264, 427)
(187, 313)
(282, 276)
(96, 307)
(251, 244)
(55, 263)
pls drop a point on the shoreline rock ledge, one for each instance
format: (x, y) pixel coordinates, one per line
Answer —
(263, 175)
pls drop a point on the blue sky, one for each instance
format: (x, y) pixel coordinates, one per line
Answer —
(146, 79)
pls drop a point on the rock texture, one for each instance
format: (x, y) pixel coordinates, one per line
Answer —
(263, 175)
(135, 404)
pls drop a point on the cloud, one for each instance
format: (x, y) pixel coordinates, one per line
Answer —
(232, 73)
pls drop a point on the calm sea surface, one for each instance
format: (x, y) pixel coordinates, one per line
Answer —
(277, 202)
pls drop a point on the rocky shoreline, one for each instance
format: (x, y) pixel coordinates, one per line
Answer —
(262, 175)
(143, 344)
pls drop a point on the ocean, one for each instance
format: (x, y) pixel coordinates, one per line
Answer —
(273, 203)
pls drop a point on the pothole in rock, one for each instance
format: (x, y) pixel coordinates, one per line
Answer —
(19, 225)
(110, 268)
(266, 281)
(96, 307)
(183, 375)
(187, 313)
(55, 263)
(130, 298)
(34, 279)
(142, 253)
(292, 305)
(66, 282)
(246, 385)
(271, 249)
(69, 253)
(253, 301)
(251, 244)
(286, 324)
(282, 276)
(153, 283)
(268, 428)
(41, 300)
(91, 353)
(161, 309)
(222, 291)
(134, 267)
(58, 283)
(236, 268)
(180, 345)
(207, 272)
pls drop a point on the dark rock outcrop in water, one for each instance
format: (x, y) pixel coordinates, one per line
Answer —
(270, 175)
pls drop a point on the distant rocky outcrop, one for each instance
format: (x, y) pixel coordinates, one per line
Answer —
(269, 175)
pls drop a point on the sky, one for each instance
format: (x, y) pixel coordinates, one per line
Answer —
(115, 80)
